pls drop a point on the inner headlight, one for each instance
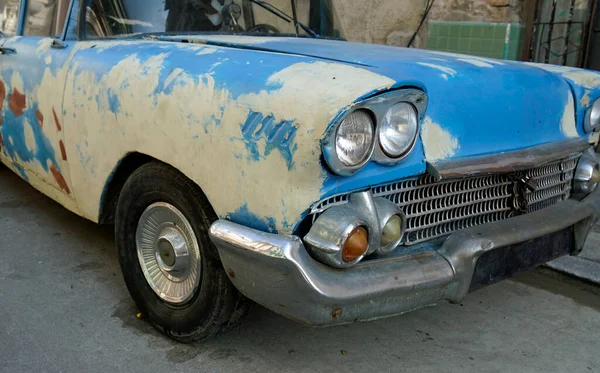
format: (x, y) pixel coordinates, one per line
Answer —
(398, 130)
(592, 120)
(354, 139)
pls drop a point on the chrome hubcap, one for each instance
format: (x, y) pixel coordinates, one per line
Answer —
(168, 252)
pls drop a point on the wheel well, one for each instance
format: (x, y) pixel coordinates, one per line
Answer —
(126, 166)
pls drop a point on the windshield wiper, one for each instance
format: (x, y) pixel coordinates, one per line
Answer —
(272, 9)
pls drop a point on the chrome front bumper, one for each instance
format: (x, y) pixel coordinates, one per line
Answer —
(277, 272)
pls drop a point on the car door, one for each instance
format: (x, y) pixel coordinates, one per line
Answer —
(33, 68)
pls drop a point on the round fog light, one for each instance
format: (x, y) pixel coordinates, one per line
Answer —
(392, 231)
(356, 245)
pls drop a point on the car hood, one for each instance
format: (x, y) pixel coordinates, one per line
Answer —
(476, 105)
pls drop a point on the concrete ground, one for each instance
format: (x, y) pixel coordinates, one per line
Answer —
(64, 308)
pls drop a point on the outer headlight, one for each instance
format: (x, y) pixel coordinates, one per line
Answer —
(354, 139)
(398, 130)
(592, 119)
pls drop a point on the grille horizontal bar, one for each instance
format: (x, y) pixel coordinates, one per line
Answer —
(435, 209)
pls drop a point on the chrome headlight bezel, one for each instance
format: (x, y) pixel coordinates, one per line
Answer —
(592, 118)
(377, 106)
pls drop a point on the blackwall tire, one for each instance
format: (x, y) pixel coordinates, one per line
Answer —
(158, 193)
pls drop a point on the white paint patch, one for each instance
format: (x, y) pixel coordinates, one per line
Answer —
(459, 56)
(237, 39)
(172, 76)
(584, 78)
(48, 59)
(184, 119)
(439, 144)
(132, 22)
(206, 50)
(444, 69)
(550, 68)
(29, 137)
(476, 62)
(17, 82)
(567, 123)
(585, 99)
(43, 46)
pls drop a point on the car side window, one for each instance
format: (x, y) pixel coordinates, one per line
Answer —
(45, 17)
(9, 16)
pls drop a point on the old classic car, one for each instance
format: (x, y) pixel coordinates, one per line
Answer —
(240, 154)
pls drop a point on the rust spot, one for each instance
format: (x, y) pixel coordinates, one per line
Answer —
(2, 94)
(16, 102)
(58, 127)
(337, 312)
(231, 273)
(40, 117)
(62, 183)
(63, 152)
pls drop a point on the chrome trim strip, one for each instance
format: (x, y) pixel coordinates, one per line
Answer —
(506, 161)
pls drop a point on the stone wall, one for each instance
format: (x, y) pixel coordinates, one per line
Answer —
(393, 22)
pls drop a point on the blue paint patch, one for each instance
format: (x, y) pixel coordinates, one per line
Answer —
(114, 104)
(279, 135)
(245, 217)
(85, 159)
(214, 120)
(13, 134)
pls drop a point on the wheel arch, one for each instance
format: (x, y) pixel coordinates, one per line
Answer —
(115, 182)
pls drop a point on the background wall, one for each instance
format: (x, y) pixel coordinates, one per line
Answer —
(393, 22)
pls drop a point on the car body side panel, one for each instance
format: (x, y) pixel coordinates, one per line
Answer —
(245, 125)
(31, 90)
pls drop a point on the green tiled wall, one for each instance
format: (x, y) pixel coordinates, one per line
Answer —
(496, 40)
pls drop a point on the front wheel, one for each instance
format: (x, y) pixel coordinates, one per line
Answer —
(170, 266)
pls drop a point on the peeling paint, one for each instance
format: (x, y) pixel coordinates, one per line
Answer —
(16, 102)
(40, 117)
(439, 144)
(585, 99)
(63, 151)
(464, 56)
(60, 180)
(476, 62)
(207, 50)
(247, 116)
(587, 79)
(29, 137)
(444, 69)
(56, 121)
(200, 117)
(568, 125)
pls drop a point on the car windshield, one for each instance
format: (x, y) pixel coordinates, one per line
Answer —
(118, 18)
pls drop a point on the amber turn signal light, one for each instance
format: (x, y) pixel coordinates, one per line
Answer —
(356, 245)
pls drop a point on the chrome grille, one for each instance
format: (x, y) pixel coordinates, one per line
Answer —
(435, 209)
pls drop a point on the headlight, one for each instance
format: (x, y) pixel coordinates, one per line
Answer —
(354, 139)
(398, 130)
(592, 119)
(587, 174)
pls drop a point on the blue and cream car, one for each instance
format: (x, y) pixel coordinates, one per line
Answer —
(242, 151)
